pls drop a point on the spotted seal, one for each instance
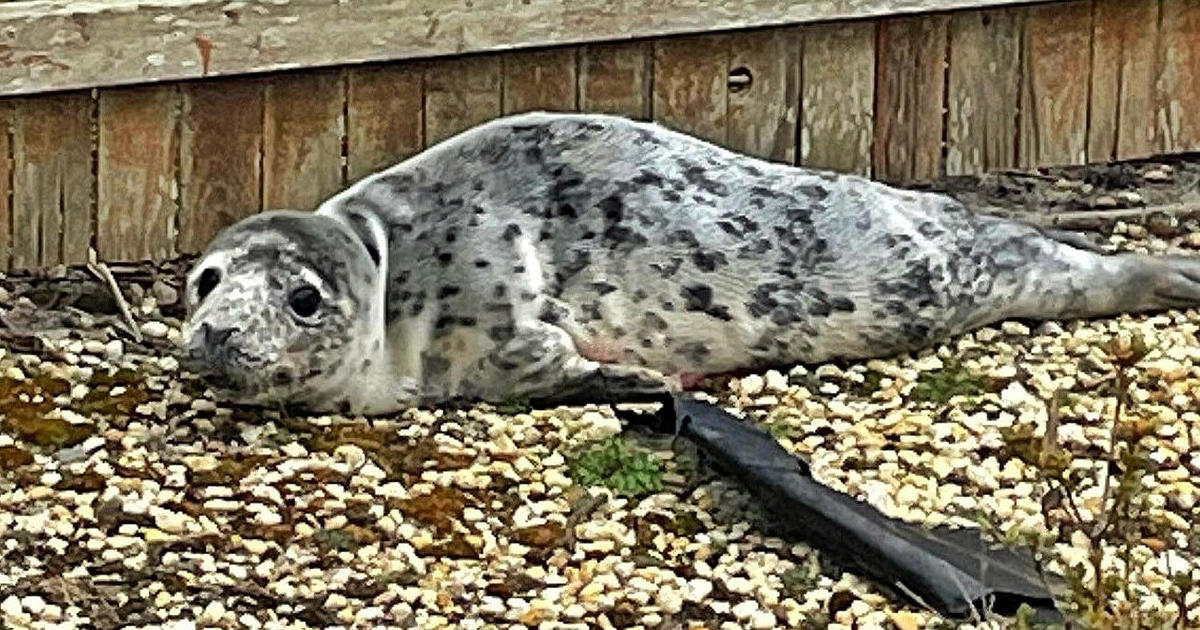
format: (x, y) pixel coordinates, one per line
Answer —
(572, 256)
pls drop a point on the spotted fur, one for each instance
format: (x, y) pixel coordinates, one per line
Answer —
(543, 255)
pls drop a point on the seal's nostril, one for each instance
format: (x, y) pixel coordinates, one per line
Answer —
(215, 336)
(283, 376)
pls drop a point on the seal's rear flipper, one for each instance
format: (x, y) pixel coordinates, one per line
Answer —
(953, 571)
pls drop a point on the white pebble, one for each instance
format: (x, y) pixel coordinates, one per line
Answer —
(751, 385)
(34, 604)
(745, 610)
(154, 329)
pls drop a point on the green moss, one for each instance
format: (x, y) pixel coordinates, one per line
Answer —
(513, 407)
(939, 386)
(613, 464)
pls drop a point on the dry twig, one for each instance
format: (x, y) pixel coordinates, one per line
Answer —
(102, 273)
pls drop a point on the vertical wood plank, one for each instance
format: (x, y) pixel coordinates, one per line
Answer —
(6, 225)
(909, 97)
(1122, 123)
(221, 158)
(302, 139)
(541, 80)
(52, 179)
(139, 143)
(385, 121)
(762, 115)
(983, 86)
(459, 94)
(690, 85)
(615, 79)
(1057, 67)
(837, 103)
(1178, 93)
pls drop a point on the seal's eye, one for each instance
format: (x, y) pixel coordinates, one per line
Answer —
(209, 278)
(305, 300)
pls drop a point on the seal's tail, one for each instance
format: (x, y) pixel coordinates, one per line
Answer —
(1058, 276)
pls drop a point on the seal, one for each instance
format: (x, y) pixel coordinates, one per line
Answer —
(566, 257)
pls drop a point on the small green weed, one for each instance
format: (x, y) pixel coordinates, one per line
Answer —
(1099, 598)
(939, 386)
(613, 464)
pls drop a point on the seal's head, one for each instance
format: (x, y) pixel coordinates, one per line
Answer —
(285, 307)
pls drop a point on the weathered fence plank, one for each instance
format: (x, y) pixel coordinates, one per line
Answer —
(615, 79)
(302, 139)
(137, 201)
(84, 44)
(762, 115)
(1122, 121)
(52, 179)
(909, 93)
(220, 159)
(983, 85)
(6, 223)
(1179, 76)
(541, 80)
(690, 85)
(459, 94)
(385, 117)
(838, 95)
(1056, 66)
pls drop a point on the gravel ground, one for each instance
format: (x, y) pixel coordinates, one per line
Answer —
(128, 498)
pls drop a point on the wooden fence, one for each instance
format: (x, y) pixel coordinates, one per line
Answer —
(153, 171)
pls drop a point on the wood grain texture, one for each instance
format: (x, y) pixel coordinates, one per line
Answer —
(762, 116)
(909, 97)
(52, 179)
(1124, 68)
(460, 93)
(6, 225)
(983, 90)
(302, 139)
(837, 98)
(690, 81)
(221, 158)
(71, 44)
(139, 143)
(615, 79)
(1178, 94)
(1057, 66)
(541, 80)
(385, 120)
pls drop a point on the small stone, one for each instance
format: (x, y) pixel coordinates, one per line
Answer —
(33, 604)
(1104, 201)
(751, 385)
(1131, 197)
(171, 522)
(745, 610)
(154, 329)
(698, 589)
(213, 613)
(114, 349)
(1157, 176)
(164, 294)
(762, 620)
(11, 606)
(776, 382)
(905, 620)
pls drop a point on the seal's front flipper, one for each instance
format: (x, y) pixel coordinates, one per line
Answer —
(586, 381)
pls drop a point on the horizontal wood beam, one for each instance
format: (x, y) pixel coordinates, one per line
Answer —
(48, 45)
